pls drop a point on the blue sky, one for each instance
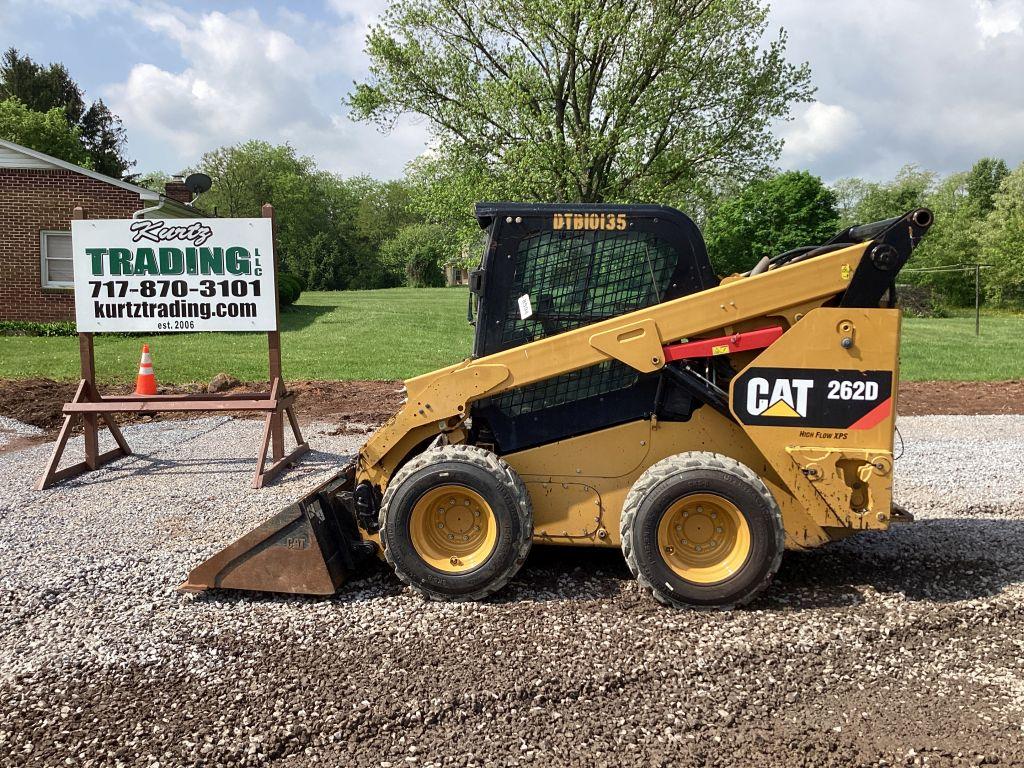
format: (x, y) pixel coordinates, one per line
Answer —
(933, 82)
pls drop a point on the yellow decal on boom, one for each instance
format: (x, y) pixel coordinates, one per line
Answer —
(844, 271)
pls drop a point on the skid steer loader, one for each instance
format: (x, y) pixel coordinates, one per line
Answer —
(620, 394)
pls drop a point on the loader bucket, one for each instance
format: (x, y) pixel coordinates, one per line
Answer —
(308, 548)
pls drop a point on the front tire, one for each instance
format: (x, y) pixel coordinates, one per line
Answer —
(456, 523)
(701, 530)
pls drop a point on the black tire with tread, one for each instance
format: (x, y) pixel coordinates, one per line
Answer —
(718, 474)
(504, 491)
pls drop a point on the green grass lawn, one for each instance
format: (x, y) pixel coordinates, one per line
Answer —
(389, 334)
(946, 348)
(399, 333)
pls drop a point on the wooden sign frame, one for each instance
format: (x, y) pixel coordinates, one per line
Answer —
(88, 406)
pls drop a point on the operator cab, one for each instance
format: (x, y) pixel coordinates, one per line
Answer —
(551, 268)
(548, 268)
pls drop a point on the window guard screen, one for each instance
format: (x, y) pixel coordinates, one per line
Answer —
(575, 279)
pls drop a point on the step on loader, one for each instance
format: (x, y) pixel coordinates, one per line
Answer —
(620, 394)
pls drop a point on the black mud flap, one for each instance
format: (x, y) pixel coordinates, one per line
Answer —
(308, 548)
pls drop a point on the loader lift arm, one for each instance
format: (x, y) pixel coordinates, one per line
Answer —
(440, 400)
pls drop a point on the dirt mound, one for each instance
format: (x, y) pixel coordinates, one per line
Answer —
(960, 398)
(365, 402)
(39, 402)
(35, 401)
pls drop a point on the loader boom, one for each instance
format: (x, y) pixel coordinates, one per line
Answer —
(636, 339)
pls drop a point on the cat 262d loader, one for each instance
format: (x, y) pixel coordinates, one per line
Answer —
(620, 394)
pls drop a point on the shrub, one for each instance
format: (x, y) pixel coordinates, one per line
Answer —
(919, 301)
(418, 251)
(28, 328)
(288, 289)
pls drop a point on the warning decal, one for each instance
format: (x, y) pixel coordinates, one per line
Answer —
(812, 397)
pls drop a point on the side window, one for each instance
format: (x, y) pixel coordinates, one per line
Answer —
(574, 279)
(56, 265)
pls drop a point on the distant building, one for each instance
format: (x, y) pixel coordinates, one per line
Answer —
(38, 196)
(455, 274)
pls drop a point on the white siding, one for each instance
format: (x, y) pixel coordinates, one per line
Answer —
(10, 158)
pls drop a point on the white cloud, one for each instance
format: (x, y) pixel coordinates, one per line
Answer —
(244, 78)
(999, 17)
(925, 81)
(933, 82)
(817, 130)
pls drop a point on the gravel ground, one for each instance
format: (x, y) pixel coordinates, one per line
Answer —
(895, 648)
(12, 431)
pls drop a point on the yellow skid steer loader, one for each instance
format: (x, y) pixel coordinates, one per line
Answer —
(621, 395)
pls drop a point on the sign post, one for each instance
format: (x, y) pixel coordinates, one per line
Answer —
(174, 276)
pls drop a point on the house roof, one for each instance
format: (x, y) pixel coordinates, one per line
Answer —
(35, 159)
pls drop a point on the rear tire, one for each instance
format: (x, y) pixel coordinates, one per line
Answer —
(701, 530)
(456, 523)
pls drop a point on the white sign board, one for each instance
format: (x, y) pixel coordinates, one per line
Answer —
(174, 275)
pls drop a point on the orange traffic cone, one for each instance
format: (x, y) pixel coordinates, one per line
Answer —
(145, 384)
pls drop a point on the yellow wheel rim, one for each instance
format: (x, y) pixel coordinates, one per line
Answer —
(704, 538)
(453, 528)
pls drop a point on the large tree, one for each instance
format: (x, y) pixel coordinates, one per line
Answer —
(768, 217)
(585, 100)
(1002, 242)
(329, 230)
(961, 203)
(315, 234)
(43, 89)
(861, 202)
(45, 132)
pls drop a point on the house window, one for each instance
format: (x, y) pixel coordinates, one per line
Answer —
(56, 266)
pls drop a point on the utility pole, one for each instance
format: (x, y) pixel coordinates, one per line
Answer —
(977, 299)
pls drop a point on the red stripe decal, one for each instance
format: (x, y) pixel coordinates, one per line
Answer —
(738, 342)
(873, 417)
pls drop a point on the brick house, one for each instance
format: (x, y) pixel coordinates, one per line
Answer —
(38, 195)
